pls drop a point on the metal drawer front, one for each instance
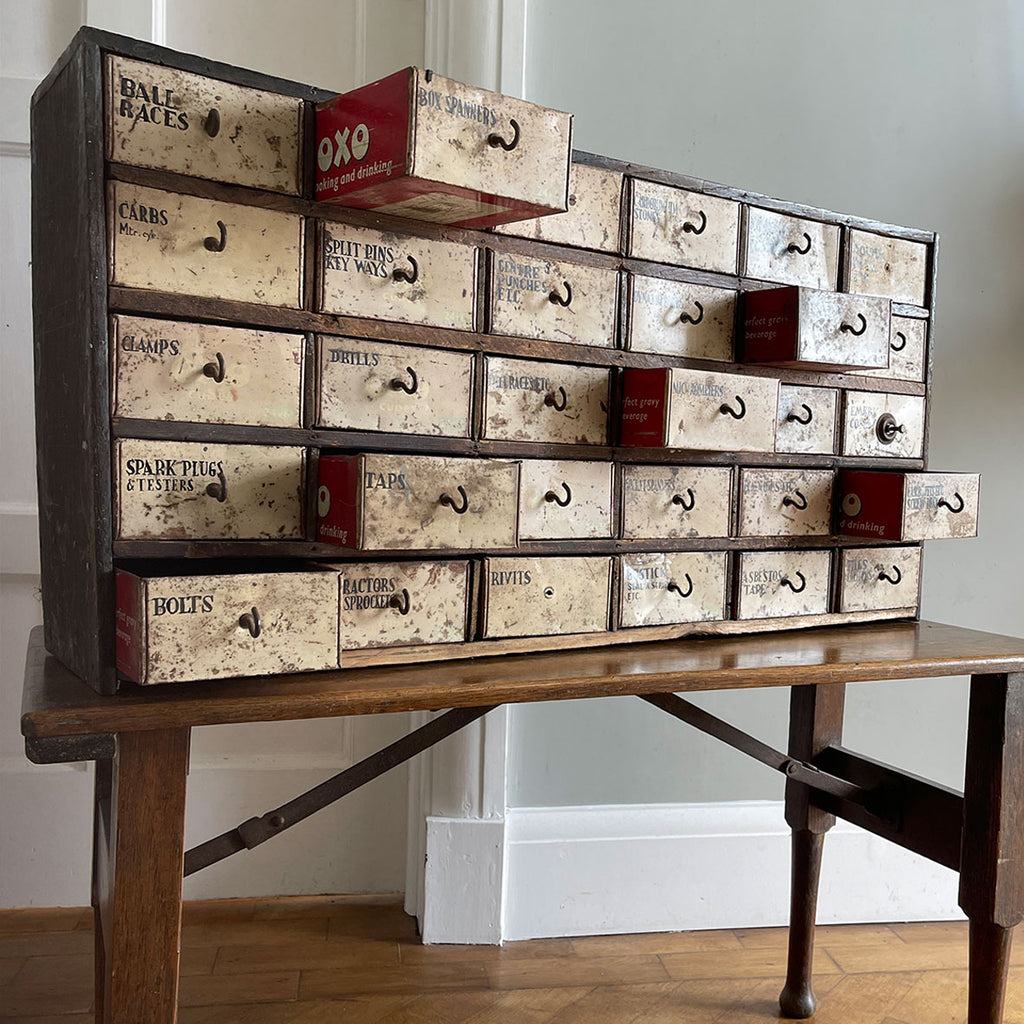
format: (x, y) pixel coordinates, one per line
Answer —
(209, 491)
(206, 373)
(907, 343)
(391, 276)
(169, 119)
(374, 385)
(773, 584)
(189, 246)
(384, 604)
(786, 502)
(565, 499)
(807, 420)
(873, 579)
(883, 425)
(546, 596)
(681, 319)
(674, 502)
(893, 267)
(662, 588)
(791, 250)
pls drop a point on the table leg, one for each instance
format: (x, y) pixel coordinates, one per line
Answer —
(815, 722)
(992, 857)
(137, 873)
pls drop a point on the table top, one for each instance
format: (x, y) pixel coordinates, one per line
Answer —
(58, 703)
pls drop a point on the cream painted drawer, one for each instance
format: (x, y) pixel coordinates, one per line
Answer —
(907, 344)
(176, 121)
(367, 384)
(205, 373)
(786, 502)
(389, 276)
(545, 596)
(190, 246)
(882, 424)
(386, 604)
(676, 408)
(417, 502)
(893, 267)
(681, 319)
(804, 327)
(773, 584)
(907, 506)
(791, 250)
(674, 502)
(687, 229)
(592, 220)
(565, 499)
(553, 301)
(807, 420)
(172, 629)
(876, 579)
(555, 402)
(658, 589)
(209, 491)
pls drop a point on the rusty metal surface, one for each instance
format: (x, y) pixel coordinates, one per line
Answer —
(791, 250)
(675, 501)
(786, 502)
(681, 319)
(778, 583)
(560, 498)
(807, 420)
(659, 588)
(877, 578)
(893, 267)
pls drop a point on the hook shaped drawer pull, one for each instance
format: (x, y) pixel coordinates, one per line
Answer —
(793, 247)
(211, 123)
(552, 496)
(846, 328)
(557, 299)
(215, 370)
(401, 602)
(494, 140)
(887, 428)
(397, 384)
(217, 244)
(793, 418)
(685, 318)
(942, 503)
(251, 621)
(674, 588)
(400, 274)
(726, 408)
(447, 499)
(692, 228)
(787, 582)
(903, 342)
(890, 579)
(219, 489)
(552, 400)
(678, 499)
(800, 504)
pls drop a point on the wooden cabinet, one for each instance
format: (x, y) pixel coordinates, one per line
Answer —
(470, 441)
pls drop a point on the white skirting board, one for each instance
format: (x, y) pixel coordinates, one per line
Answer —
(644, 868)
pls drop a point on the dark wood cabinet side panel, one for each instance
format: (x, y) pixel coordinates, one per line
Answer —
(69, 259)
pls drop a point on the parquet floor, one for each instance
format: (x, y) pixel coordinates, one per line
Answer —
(308, 961)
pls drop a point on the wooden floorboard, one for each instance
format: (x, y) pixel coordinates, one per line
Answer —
(314, 960)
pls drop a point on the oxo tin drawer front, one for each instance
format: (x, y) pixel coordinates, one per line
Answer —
(807, 420)
(893, 267)
(176, 628)
(687, 229)
(907, 343)
(189, 246)
(681, 319)
(554, 402)
(786, 502)
(176, 121)
(385, 604)
(391, 276)
(791, 250)
(545, 596)
(674, 502)
(592, 220)
(773, 584)
(206, 373)
(209, 491)
(374, 385)
(873, 579)
(552, 301)
(565, 499)
(659, 589)
(882, 424)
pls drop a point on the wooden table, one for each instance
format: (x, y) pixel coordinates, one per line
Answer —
(140, 740)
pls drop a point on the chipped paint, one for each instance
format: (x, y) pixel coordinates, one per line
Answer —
(925, 519)
(677, 318)
(650, 509)
(797, 405)
(761, 592)
(867, 578)
(785, 502)
(659, 588)
(894, 267)
(561, 499)
(863, 413)
(771, 250)
(907, 343)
